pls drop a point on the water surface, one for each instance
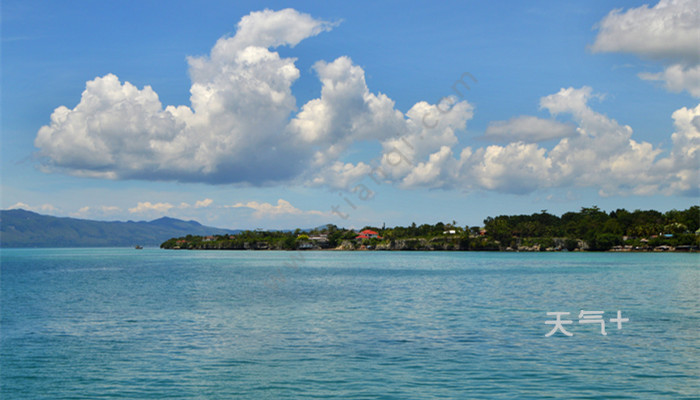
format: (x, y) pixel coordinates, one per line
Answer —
(156, 324)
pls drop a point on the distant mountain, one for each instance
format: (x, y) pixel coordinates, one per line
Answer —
(21, 228)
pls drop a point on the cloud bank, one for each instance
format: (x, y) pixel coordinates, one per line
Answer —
(243, 125)
(267, 210)
(528, 129)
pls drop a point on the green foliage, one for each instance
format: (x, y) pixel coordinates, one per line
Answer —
(604, 241)
(288, 243)
(570, 244)
(598, 230)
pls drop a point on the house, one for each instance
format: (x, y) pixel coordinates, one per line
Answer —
(368, 234)
(319, 238)
(450, 232)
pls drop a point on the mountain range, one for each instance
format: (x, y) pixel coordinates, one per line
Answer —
(21, 228)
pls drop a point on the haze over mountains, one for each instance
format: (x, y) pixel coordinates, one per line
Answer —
(21, 228)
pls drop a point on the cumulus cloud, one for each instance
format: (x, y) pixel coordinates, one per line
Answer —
(670, 29)
(234, 130)
(345, 113)
(430, 128)
(240, 127)
(147, 206)
(683, 164)
(669, 32)
(600, 153)
(272, 29)
(203, 203)
(283, 207)
(677, 78)
(528, 129)
(243, 125)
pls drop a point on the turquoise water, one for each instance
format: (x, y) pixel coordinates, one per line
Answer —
(156, 324)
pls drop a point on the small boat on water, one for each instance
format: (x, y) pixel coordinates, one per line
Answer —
(137, 247)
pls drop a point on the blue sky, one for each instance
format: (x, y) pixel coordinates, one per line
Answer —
(255, 115)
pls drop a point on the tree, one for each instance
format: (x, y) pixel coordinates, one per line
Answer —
(499, 229)
(604, 241)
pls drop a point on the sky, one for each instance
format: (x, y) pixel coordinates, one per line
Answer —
(281, 114)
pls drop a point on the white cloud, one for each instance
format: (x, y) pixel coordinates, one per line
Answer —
(678, 78)
(109, 209)
(601, 153)
(429, 129)
(516, 168)
(669, 32)
(528, 129)
(266, 210)
(241, 126)
(42, 208)
(147, 206)
(234, 130)
(197, 204)
(95, 211)
(47, 207)
(683, 164)
(270, 28)
(238, 128)
(203, 203)
(345, 113)
(340, 175)
(436, 172)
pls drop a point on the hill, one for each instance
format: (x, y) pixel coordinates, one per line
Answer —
(21, 228)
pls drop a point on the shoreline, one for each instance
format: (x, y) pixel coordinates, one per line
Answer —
(684, 251)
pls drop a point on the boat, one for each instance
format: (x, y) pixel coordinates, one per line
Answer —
(137, 247)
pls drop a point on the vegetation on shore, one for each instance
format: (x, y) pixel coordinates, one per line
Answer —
(590, 229)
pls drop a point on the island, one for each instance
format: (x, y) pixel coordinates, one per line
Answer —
(589, 229)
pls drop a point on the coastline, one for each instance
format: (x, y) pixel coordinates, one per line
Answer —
(253, 247)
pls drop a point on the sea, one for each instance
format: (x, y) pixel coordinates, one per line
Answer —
(122, 323)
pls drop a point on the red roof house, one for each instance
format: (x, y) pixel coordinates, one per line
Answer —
(368, 234)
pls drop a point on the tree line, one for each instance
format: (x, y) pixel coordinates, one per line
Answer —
(588, 229)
